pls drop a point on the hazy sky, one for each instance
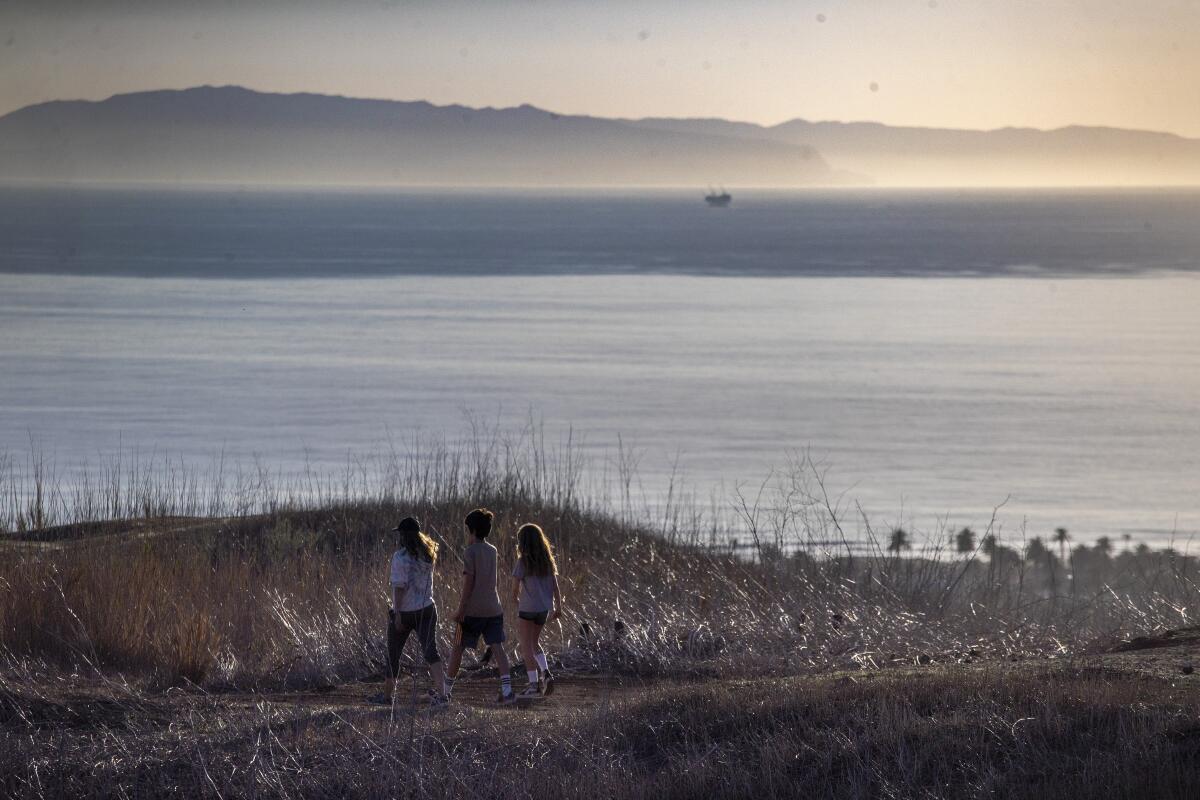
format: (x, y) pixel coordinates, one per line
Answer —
(961, 63)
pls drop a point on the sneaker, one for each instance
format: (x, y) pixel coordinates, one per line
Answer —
(548, 684)
(438, 701)
(533, 690)
(506, 699)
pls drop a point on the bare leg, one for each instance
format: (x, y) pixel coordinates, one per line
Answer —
(529, 633)
(544, 667)
(503, 668)
(455, 661)
(501, 658)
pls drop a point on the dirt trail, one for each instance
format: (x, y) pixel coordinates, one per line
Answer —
(94, 705)
(1172, 655)
(1164, 654)
(477, 691)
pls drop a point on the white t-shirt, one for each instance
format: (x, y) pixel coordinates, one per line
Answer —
(414, 578)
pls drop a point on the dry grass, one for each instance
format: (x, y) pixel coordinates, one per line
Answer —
(954, 732)
(296, 598)
(101, 622)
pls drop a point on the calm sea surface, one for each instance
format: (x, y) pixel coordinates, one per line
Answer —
(940, 351)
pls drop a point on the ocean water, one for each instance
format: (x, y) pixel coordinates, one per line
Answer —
(244, 234)
(941, 353)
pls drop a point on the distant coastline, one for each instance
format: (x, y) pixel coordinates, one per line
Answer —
(231, 135)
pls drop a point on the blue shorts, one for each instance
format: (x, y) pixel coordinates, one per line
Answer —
(490, 628)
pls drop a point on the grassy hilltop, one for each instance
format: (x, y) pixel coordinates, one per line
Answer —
(168, 651)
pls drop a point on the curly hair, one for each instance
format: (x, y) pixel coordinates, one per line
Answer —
(534, 547)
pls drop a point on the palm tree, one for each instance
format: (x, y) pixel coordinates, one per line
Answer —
(964, 541)
(899, 541)
(1104, 546)
(1128, 537)
(1036, 551)
(1061, 537)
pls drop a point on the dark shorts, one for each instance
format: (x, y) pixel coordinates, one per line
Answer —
(538, 617)
(424, 622)
(490, 628)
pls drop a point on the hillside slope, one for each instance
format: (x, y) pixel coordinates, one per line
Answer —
(230, 134)
(1071, 156)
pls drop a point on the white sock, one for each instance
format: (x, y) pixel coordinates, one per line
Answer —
(506, 685)
(541, 659)
(532, 674)
(447, 686)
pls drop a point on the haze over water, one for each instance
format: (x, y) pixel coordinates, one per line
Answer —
(941, 352)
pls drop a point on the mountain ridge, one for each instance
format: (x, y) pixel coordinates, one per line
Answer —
(627, 120)
(236, 134)
(232, 133)
(1072, 155)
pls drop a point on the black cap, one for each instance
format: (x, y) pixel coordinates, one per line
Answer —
(408, 524)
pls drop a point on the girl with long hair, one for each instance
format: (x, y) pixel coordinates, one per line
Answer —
(413, 608)
(539, 600)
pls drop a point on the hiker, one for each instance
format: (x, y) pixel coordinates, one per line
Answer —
(536, 592)
(413, 608)
(479, 611)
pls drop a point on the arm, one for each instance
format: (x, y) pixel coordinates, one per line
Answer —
(558, 601)
(468, 585)
(518, 575)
